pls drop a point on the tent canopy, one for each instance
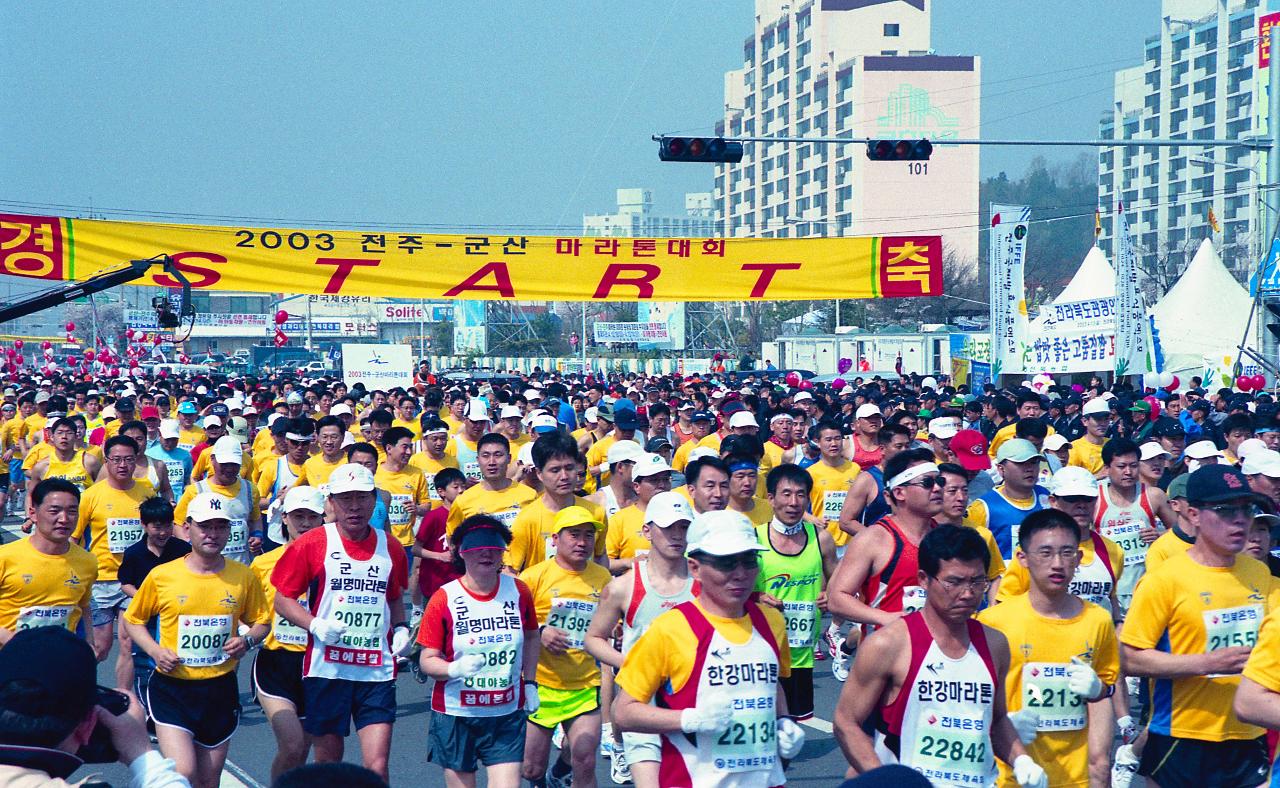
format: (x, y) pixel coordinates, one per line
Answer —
(1095, 278)
(1203, 314)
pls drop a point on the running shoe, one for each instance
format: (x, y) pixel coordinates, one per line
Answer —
(606, 740)
(840, 664)
(557, 737)
(1125, 767)
(833, 641)
(619, 770)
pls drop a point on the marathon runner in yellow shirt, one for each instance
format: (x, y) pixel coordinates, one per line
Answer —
(533, 532)
(1064, 659)
(832, 475)
(432, 459)
(625, 539)
(496, 494)
(1192, 626)
(65, 461)
(317, 469)
(46, 579)
(200, 599)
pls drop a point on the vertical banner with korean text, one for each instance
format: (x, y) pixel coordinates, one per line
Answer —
(1008, 247)
(1131, 338)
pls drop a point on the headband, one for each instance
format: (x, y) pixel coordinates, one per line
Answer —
(743, 466)
(911, 474)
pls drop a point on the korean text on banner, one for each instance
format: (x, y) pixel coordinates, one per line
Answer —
(478, 267)
(632, 332)
(1130, 312)
(377, 366)
(1008, 249)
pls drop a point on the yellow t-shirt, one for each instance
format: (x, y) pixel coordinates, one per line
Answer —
(253, 516)
(995, 561)
(761, 513)
(33, 427)
(430, 467)
(598, 453)
(1086, 455)
(413, 426)
(1008, 432)
(263, 442)
(188, 439)
(1040, 649)
(39, 590)
(1166, 545)
(531, 532)
(72, 470)
(1016, 579)
(10, 431)
(680, 460)
(266, 477)
(38, 452)
(566, 600)
(503, 504)
(316, 470)
(1184, 607)
(204, 466)
(109, 523)
(666, 652)
(199, 613)
(830, 488)
(625, 535)
(408, 489)
(291, 636)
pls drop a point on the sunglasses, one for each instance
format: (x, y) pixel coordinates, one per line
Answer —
(727, 563)
(927, 483)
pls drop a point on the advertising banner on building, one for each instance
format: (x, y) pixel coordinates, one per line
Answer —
(1131, 314)
(377, 366)
(670, 313)
(1007, 254)
(477, 267)
(631, 332)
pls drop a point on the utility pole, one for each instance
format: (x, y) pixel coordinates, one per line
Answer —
(1269, 207)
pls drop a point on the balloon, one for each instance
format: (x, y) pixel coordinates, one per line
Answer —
(45, 345)
(793, 379)
(1244, 382)
(114, 372)
(1173, 384)
(133, 362)
(164, 373)
(844, 365)
(838, 384)
(70, 327)
(806, 385)
(128, 332)
(1166, 378)
(71, 361)
(1259, 382)
(155, 340)
(282, 317)
(1155, 406)
(18, 344)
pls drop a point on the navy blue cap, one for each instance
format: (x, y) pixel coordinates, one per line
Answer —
(702, 415)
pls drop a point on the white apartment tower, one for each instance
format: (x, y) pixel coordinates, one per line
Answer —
(857, 68)
(1199, 79)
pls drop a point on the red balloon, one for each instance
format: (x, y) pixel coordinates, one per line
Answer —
(18, 344)
(164, 373)
(282, 317)
(128, 332)
(155, 340)
(133, 362)
(90, 354)
(71, 361)
(70, 327)
(114, 372)
(1244, 382)
(793, 379)
(806, 385)
(45, 345)
(1259, 382)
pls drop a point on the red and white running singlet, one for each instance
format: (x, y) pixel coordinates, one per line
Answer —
(355, 593)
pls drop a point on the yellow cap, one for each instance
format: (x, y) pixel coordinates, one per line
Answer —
(570, 516)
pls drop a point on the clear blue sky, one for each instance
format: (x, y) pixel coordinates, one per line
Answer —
(478, 114)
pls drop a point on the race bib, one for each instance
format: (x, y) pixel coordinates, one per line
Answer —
(288, 633)
(366, 635)
(1130, 540)
(507, 517)
(801, 621)
(238, 539)
(44, 616)
(123, 532)
(912, 599)
(499, 654)
(750, 743)
(471, 470)
(948, 745)
(201, 639)
(1045, 690)
(432, 493)
(400, 512)
(1231, 626)
(833, 504)
(571, 616)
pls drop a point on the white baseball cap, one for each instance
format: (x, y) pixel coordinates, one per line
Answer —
(350, 478)
(1152, 449)
(668, 508)
(722, 532)
(476, 411)
(544, 422)
(651, 465)
(525, 455)
(169, 428)
(228, 449)
(800, 397)
(624, 451)
(743, 418)
(867, 411)
(209, 506)
(1249, 446)
(1073, 480)
(943, 427)
(1055, 442)
(510, 412)
(532, 394)
(1095, 406)
(1263, 461)
(212, 421)
(304, 497)
(591, 415)
(1203, 450)
(701, 452)
(341, 409)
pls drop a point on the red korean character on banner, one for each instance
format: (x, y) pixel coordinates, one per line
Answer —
(31, 246)
(910, 266)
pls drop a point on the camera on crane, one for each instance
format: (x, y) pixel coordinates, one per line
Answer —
(165, 316)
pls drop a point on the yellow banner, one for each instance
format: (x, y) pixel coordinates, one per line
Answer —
(478, 267)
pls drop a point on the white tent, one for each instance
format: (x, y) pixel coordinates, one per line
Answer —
(1203, 314)
(1095, 278)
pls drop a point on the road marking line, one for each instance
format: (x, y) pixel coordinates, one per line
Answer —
(235, 777)
(818, 724)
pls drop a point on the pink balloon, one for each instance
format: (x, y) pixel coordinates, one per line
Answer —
(133, 362)
(71, 361)
(164, 373)
(128, 332)
(844, 365)
(71, 327)
(806, 385)
(90, 354)
(793, 379)
(1155, 406)
(838, 384)
(18, 344)
(114, 372)
(45, 345)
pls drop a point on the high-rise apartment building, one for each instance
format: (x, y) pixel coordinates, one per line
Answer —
(636, 218)
(1199, 79)
(856, 68)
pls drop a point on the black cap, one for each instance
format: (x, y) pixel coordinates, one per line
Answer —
(1201, 404)
(1216, 483)
(1168, 428)
(60, 664)
(701, 415)
(653, 445)
(125, 403)
(219, 410)
(626, 419)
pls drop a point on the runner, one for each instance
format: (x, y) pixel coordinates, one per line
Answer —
(566, 591)
(1192, 625)
(865, 502)
(200, 599)
(625, 540)
(744, 481)
(1086, 451)
(795, 565)
(707, 483)
(46, 580)
(831, 475)
(948, 721)
(496, 494)
(65, 460)
(617, 492)
(647, 588)
(431, 458)
(278, 474)
(955, 502)
(317, 469)
(432, 542)
(277, 670)
(410, 499)
(533, 534)
(723, 719)
(354, 579)
(865, 448)
(225, 480)
(1127, 512)
(875, 583)
(484, 686)
(177, 463)
(1064, 658)
(1003, 508)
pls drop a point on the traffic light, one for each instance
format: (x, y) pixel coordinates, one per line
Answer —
(1273, 317)
(899, 150)
(709, 150)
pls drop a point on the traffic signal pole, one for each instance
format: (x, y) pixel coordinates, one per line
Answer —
(1270, 348)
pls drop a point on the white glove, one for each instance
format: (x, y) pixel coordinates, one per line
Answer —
(706, 720)
(1082, 680)
(1028, 773)
(400, 641)
(1025, 723)
(1128, 728)
(790, 738)
(466, 666)
(531, 699)
(327, 631)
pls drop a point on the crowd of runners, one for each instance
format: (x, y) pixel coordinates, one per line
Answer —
(1051, 586)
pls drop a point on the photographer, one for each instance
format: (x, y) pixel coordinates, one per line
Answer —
(51, 721)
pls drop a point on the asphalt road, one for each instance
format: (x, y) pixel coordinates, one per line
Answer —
(253, 746)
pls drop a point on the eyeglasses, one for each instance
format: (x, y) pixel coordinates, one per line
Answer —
(118, 460)
(954, 585)
(1048, 553)
(1232, 511)
(927, 483)
(727, 563)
